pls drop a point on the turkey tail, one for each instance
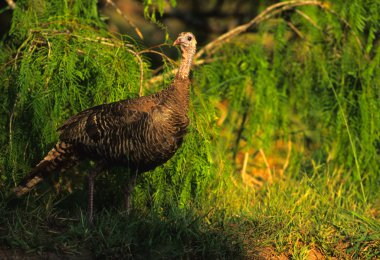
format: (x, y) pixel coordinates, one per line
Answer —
(61, 157)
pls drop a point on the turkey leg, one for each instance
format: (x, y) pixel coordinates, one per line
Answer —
(128, 191)
(91, 176)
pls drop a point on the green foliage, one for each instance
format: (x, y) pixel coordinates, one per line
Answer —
(154, 7)
(321, 89)
(53, 73)
(151, 7)
(316, 87)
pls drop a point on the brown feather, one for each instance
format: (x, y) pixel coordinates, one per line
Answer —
(140, 133)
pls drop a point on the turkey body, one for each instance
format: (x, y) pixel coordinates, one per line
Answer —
(139, 133)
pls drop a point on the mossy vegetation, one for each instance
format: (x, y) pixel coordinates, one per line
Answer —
(282, 156)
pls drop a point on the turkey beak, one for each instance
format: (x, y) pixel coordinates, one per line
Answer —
(177, 42)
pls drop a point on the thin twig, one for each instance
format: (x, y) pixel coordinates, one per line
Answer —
(101, 40)
(270, 179)
(246, 177)
(126, 18)
(49, 48)
(157, 46)
(308, 18)
(21, 47)
(11, 4)
(159, 53)
(25, 150)
(5, 64)
(245, 162)
(141, 70)
(295, 29)
(11, 118)
(149, 50)
(286, 164)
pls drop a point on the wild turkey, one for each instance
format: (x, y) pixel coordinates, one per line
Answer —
(140, 133)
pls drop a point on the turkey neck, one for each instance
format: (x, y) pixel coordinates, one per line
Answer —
(181, 83)
(187, 59)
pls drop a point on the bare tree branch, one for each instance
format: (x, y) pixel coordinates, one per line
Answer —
(271, 11)
(137, 30)
(267, 13)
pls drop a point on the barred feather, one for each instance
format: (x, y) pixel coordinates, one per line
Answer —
(60, 157)
(140, 133)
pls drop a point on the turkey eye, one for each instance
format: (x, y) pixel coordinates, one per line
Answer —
(189, 38)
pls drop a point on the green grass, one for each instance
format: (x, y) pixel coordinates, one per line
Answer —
(289, 217)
